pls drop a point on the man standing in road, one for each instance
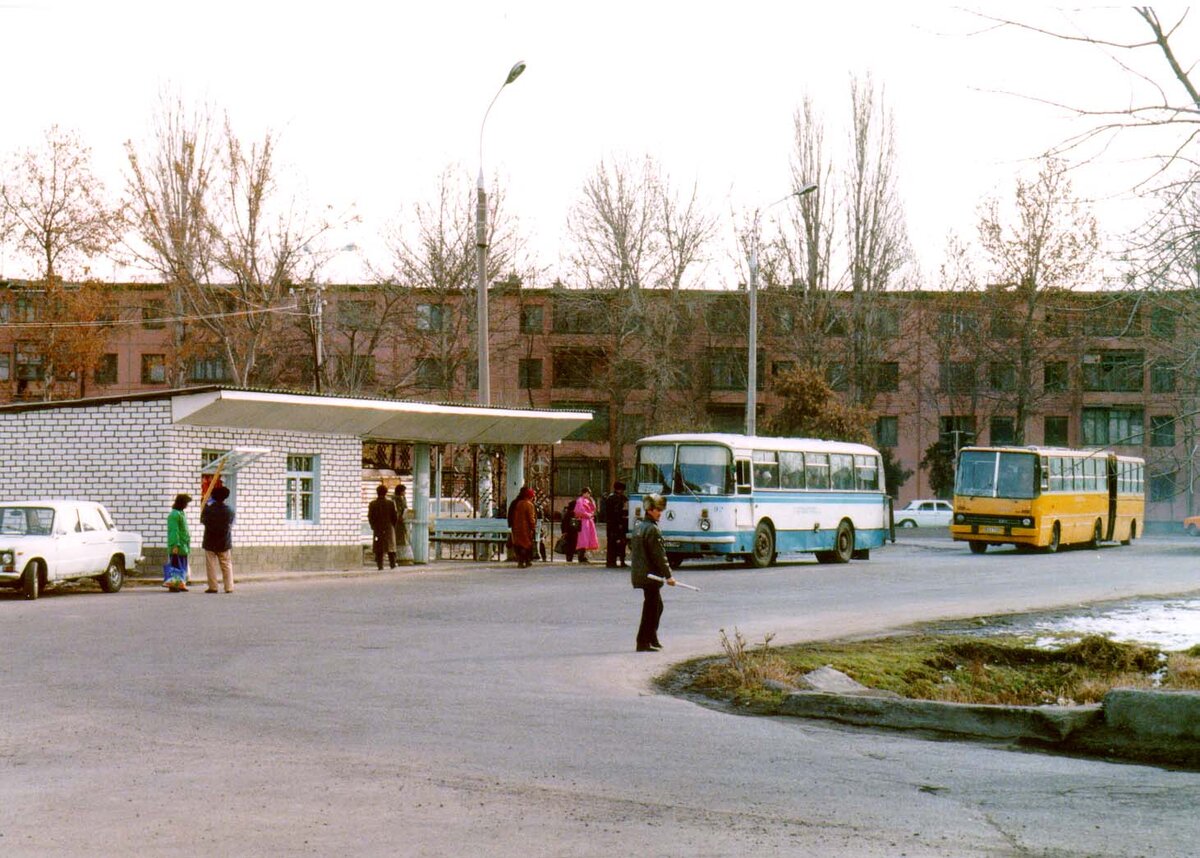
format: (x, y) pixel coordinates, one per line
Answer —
(217, 518)
(616, 514)
(381, 513)
(649, 558)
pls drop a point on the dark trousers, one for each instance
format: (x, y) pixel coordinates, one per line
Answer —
(652, 608)
(524, 555)
(614, 550)
(379, 552)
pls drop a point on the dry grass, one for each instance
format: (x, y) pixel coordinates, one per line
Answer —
(1000, 670)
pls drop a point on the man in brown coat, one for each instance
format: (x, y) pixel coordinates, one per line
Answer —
(381, 513)
(524, 526)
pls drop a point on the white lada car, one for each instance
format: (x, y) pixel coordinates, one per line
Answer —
(45, 541)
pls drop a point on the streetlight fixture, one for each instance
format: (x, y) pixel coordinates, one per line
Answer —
(752, 339)
(481, 247)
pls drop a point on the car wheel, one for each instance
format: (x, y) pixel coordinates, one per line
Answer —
(763, 552)
(977, 547)
(113, 577)
(1055, 539)
(1097, 537)
(843, 543)
(31, 584)
(908, 522)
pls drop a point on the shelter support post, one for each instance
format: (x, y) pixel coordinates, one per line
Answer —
(420, 503)
(514, 469)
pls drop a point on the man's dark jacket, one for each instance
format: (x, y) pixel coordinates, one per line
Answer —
(649, 557)
(217, 519)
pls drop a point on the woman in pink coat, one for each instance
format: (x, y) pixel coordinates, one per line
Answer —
(585, 511)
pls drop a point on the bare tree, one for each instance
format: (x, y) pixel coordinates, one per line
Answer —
(56, 208)
(216, 228)
(428, 281)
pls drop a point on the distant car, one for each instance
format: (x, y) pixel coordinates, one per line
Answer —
(1191, 525)
(45, 541)
(925, 513)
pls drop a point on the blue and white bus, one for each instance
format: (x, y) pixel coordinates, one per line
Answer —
(754, 498)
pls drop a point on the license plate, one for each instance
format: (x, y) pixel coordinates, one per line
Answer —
(991, 528)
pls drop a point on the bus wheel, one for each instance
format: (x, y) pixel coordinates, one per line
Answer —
(977, 547)
(1132, 533)
(843, 543)
(763, 552)
(1055, 539)
(1097, 537)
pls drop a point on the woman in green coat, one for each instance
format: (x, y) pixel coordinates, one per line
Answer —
(179, 545)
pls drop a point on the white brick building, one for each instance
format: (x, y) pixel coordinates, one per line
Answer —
(298, 497)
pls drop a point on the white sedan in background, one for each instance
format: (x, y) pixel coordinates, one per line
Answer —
(45, 541)
(924, 513)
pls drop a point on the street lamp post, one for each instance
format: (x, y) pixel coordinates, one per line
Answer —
(481, 247)
(752, 337)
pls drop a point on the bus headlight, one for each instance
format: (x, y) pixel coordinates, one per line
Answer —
(705, 521)
(959, 518)
(1027, 522)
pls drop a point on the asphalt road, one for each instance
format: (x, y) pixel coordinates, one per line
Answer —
(485, 710)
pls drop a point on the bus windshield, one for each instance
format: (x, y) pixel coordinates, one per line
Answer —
(699, 469)
(990, 473)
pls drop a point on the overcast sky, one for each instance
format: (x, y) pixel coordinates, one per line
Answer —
(373, 100)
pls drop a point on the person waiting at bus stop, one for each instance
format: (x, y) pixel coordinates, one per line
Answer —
(649, 557)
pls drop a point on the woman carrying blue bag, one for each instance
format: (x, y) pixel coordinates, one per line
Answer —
(179, 545)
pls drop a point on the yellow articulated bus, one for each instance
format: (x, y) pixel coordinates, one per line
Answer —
(1046, 497)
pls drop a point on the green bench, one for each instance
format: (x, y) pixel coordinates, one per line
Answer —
(490, 533)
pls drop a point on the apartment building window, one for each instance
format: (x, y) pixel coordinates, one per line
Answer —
(5, 367)
(106, 369)
(837, 377)
(727, 418)
(575, 316)
(1162, 430)
(1113, 371)
(533, 319)
(782, 367)
(1001, 431)
(1162, 378)
(886, 322)
(154, 314)
(358, 315)
(1114, 319)
(887, 377)
(887, 431)
(727, 370)
(785, 320)
(578, 368)
(594, 430)
(355, 370)
(1054, 431)
(1103, 427)
(154, 369)
(432, 317)
(472, 375)
(1163, 486)
(31, 366)
(957, 377)
(957, 430)
(432, 372)
(1002, 326)
(1057, 323)
(572, 475)
(300, 488)
(212, 369)
(1055, 377)
(529, 373)
(955, 322)
(1002, 376)
(727, 316)
(1162, 323)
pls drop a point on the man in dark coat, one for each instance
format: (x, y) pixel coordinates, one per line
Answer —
(616, 518)
(217, 518)
(649, 557)
(381, 513)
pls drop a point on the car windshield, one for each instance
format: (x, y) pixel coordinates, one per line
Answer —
(26, 521)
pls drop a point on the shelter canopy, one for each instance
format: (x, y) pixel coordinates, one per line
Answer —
(373, 418)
